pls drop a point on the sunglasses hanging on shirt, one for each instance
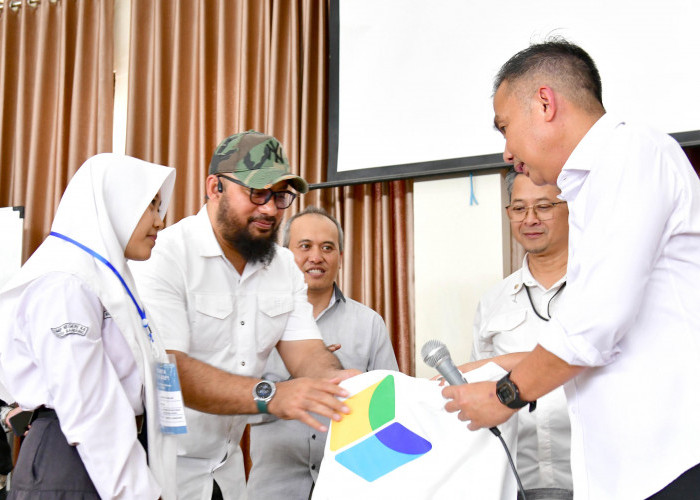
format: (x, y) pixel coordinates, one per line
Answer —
(532, 304)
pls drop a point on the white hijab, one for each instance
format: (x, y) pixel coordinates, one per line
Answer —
(100, 209)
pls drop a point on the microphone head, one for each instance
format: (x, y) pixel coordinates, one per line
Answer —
(434, 352)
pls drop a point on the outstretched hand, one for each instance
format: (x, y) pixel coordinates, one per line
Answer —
(295, 399)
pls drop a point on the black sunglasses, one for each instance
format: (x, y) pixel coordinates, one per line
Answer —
(261, 196)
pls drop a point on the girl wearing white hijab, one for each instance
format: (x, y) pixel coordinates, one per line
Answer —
(74, 348)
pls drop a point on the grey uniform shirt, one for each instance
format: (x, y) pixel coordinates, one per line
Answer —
(286, 454)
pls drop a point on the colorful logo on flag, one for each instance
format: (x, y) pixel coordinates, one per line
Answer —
(379, 443)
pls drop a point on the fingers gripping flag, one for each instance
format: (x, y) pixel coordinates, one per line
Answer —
(399, 442)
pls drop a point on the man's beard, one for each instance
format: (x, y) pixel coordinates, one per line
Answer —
(252, 249)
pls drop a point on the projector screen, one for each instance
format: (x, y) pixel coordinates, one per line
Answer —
(411, 80)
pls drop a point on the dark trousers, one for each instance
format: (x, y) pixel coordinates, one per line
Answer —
(685, 487)
(48, 468)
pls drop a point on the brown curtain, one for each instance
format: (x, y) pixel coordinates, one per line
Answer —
(203, 69)
(56, 105)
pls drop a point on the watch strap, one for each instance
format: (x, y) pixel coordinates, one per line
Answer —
(262, 405)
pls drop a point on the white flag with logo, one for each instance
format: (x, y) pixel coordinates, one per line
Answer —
(399, 442)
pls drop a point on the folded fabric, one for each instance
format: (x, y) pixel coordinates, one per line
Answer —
(399, 442)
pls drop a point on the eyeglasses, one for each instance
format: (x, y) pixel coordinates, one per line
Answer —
(543, 211)
(261, 196)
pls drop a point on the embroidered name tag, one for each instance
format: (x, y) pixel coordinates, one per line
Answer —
(70, 329)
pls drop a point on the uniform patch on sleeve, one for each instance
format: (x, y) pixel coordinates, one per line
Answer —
(69, 329)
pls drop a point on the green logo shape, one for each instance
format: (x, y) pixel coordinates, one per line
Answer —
(382, 407)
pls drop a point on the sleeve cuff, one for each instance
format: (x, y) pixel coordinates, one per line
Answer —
(573, 349)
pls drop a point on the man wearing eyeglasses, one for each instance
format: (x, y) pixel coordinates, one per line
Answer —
(222, 295)
(508, 319)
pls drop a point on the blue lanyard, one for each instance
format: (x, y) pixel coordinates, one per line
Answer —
(142, 313)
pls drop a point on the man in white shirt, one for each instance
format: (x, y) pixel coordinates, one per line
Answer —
(286, 454)
(626, 338)
(223, 295)
(507, 321)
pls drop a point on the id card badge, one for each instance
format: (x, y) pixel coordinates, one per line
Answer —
(171, 409)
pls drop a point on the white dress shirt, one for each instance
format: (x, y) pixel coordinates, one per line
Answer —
(631, 311)
(203, 307)
(505, 322)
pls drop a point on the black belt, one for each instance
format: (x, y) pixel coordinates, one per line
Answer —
(44, 412)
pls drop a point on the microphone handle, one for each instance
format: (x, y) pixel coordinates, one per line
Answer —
(449, 372)
(453, 376)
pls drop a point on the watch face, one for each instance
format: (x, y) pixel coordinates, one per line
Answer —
(263, 390)
(505, 393)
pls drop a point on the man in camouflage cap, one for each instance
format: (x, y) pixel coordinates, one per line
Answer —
(222, 294)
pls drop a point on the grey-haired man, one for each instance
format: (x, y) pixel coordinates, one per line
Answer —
(223, 295)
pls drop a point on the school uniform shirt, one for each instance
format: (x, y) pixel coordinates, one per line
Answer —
(505, 322)
(287, 454)
(630, 312)
(82, 367)
(205, 308)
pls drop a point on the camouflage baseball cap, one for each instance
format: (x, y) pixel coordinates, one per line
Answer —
(255, 159)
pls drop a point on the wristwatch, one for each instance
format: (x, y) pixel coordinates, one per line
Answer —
(509, 395)
(262, 394)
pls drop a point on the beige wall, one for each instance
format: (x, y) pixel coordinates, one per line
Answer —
(460, 251)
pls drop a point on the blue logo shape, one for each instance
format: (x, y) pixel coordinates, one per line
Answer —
(384, 449)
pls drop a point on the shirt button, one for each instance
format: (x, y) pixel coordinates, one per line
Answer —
(242, 323)
(313, 467)
(313, 436)
(242, 363)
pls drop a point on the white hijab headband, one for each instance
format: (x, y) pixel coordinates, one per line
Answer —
(105, 200)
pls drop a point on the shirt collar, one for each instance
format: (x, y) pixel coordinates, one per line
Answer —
(205, 240)
(208, 246)
(583, 158)
(525, 278)
(336, 296)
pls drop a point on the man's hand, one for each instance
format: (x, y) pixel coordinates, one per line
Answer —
(477, 402)
(296, 398)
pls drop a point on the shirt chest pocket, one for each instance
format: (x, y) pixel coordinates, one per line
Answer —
(273, 312)
(213, 321)
(511, 332)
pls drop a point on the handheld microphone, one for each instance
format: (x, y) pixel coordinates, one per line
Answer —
(436, 355)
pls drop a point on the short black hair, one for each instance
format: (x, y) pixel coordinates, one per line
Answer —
(569, 66)
(311, 209)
